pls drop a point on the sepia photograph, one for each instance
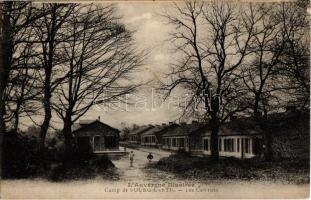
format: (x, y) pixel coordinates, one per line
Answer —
(155, 99)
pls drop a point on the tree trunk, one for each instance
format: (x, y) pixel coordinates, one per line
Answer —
(47, 96)
(214, 136)
(47, 118)
(268, 150)
(16, 118)
(48, 67)
(68, 136)
(6, 55)
(16, 114)
(256, 105)
(262, 121)
(6, 49)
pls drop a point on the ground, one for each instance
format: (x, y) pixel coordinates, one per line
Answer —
(137, 172)
(137, 182)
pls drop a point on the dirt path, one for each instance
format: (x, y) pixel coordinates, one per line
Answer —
(136, 172)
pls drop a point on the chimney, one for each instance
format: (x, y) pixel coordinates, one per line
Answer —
(98, 118)
(170, 122)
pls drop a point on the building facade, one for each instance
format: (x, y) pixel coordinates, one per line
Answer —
(240, 138)
(96, 136)
(153, 137)
(235, 146)
(135, 136)
(185, 136)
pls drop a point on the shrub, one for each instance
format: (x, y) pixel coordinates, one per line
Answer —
(182, 153)
(294, 171)
(83, 169)
(20, 158)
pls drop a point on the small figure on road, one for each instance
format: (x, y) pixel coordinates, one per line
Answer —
(131, 158)
(150, 157)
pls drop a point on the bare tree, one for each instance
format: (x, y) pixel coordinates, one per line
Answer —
(22, 94)
(23, 86)
(212, 42)
(266, 47)
(295, 60)
(269, 74)
(18, 18)
(15, 19)
(48, 38)
(100, 57)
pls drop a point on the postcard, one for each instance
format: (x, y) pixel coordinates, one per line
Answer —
(155, 99)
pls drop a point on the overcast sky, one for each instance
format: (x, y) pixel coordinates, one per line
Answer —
(152, 33)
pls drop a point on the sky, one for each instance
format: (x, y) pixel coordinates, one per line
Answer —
(151, 33)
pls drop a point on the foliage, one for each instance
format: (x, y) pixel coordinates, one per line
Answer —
(20, 157)
(293, 171)
(85, 168)
(23, 159)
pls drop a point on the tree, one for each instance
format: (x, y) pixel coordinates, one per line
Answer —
(48, 39)
(19, 16)
(99, 58)
(6, 53)
(23, 88)
(295, 60)
(265, 48)
(212, 41)
(4, 67)
(279, 65)
(15, 17)
(125, 130)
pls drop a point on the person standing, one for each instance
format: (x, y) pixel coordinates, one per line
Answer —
(150, 157)
(131, 158)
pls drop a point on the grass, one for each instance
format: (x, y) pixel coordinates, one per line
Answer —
(95, 166)
(203, 168)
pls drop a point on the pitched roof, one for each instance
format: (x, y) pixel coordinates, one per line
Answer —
(186, 129)
(249, 126)
(157, 129)
(80, 127)
(140, 130)
(240, 126)
(81, 123)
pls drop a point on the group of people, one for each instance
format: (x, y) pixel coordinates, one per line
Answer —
(132, 155)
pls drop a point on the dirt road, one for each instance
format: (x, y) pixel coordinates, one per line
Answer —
(137, 172)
